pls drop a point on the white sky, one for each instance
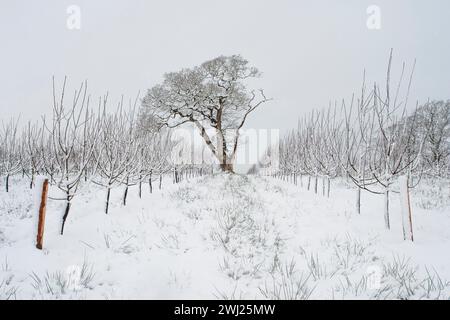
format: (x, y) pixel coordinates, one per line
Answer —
(310, 52)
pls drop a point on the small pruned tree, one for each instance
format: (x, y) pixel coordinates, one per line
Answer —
(383, 143)
(116, 150)
(10, 151)
(31, 140)
(211, 96)
(72, 133)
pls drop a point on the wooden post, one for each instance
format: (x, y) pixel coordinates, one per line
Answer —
(42, 207)
(406, 211)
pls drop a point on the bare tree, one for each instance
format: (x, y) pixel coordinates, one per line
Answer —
(72, 133)
(31, 140)
(113, 152)
(157, 145)
(10, 150)
(133, 144)
(373, 143)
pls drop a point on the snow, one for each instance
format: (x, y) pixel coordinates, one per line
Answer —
(225, 236)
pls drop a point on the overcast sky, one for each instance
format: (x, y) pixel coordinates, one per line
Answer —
(310, 52)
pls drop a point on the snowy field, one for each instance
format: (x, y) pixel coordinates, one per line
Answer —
(225, 237)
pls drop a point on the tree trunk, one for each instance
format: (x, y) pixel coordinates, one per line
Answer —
(140, 186)
(66, 213)
(32, 179)
(386, 208)
(150, 183)
(108, 194)
(329, 185)
(160, 181)
(358, 200)
(309, 182)
(7, 183)
(227, 167)
(125, 194)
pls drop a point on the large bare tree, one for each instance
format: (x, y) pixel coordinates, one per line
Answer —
(211, 96)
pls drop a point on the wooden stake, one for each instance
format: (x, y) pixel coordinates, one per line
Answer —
(405, 204)
(42, 207)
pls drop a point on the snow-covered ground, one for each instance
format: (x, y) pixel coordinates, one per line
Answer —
(225, 237)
